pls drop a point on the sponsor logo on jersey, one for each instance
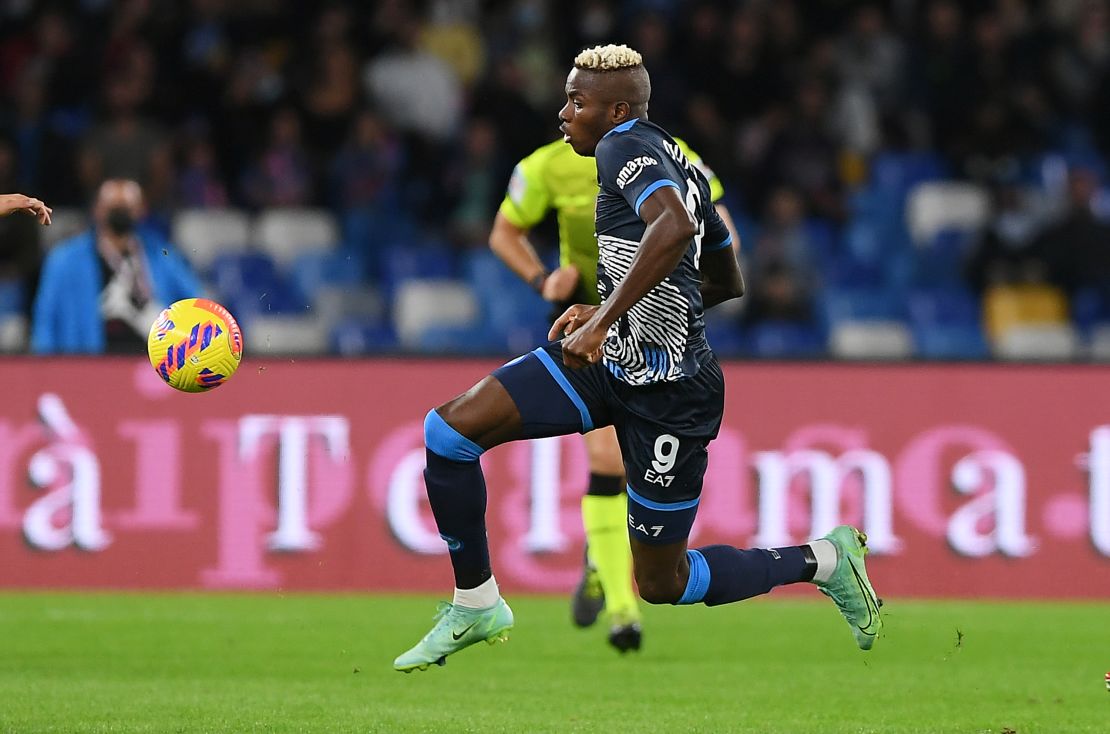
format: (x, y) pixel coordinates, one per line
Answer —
(633, 168)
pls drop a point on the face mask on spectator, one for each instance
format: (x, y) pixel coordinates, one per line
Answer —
(120, 221)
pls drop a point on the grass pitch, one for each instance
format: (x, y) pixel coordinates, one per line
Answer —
(268, 663)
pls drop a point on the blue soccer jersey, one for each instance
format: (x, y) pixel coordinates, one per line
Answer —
(662, 337)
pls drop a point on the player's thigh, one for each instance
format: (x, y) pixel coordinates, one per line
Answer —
(604, 452)
(549, 398)
(485, 414)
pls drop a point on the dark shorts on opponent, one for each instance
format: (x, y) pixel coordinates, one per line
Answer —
(663, 429)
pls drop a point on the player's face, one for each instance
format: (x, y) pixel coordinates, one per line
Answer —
(586, 116)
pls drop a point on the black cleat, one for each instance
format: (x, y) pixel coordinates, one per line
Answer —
(626, 637)
(588, 599)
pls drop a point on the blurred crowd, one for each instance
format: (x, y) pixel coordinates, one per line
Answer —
(408, 116)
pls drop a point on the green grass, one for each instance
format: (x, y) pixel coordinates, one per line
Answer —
(258, 663)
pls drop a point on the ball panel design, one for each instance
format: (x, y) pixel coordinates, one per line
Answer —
(195, 345)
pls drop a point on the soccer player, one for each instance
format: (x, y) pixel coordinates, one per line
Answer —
(555, 177)
(639, 362)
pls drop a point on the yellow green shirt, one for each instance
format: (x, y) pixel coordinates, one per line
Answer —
(555, 177)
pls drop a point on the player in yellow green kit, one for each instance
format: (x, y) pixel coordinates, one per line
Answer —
(555, 177)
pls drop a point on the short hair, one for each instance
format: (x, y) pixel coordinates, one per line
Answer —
(608, 58)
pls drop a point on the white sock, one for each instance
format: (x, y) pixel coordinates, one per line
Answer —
(825, 553)
(483, 596)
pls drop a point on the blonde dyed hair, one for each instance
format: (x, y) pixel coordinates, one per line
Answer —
(608, 58)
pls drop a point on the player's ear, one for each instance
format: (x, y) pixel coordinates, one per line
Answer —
(620, 112)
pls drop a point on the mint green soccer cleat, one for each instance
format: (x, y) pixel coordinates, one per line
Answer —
(849, 587)
(456, 628)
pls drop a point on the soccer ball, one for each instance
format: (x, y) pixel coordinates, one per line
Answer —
(195, 345)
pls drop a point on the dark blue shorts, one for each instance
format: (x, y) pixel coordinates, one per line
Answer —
(663, 429)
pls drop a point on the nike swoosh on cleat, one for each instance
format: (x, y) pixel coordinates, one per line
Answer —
(867, 595)
(458, 635)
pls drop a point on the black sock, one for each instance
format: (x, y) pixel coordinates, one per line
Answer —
(736, 574)
(457, 494)
(605, 485)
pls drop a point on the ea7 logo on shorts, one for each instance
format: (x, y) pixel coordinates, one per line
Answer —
(652, 531)
(631, 170)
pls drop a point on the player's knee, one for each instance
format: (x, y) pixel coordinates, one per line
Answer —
(658, 589)
(442, 439)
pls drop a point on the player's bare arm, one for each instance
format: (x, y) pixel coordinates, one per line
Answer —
(29, 205)
(669, 231)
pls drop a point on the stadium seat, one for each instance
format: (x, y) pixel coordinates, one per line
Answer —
(400, 262)
(13, 333)
(281, 335)
(870, 340)
(203, 235)
(11, 297)
(1099, 347)
(860, 304)
(420, 304)
(1033, 342)
(64, 223)
(364, 303)
(352, 337)
(315, 270)
(950, 341)
(952, 305)
(941, 260)
(785, 340)
(935, 206)
(467, 339)
(286, 233)
(1090, 306)
(725, 338)
(250, 283)
(1005, 307)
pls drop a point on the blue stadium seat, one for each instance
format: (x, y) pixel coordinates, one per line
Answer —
(508, 304)
(951, 305)
(477, 339)
(352, 338)
(403, 261)
(251, 283)
(950, 341)
(785, 340)
(861, 304)
(941, 261)
(315, 270)
(11, 297)
(726, 338)
(1090, 306)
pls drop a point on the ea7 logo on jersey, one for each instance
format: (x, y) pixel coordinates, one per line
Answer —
(652, 531)
(630, 171)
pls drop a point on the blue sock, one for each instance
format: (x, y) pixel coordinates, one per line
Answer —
(720, 574)
(457, 494)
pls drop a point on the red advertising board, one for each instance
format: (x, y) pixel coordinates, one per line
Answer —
(971, 480)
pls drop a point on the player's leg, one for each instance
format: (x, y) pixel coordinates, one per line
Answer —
(605, 519)
(665, 470)
(522, 399)
(455, 436)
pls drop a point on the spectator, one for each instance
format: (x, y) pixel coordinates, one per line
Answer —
(128, 145)
(783, 275)
(1009, 251)
(1077, 247)
(281, 175)
(101, 290)
(199, 184)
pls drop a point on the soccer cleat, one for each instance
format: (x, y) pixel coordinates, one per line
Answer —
(589, 597)
(625, 637)
(456, 628)
(849, 587)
